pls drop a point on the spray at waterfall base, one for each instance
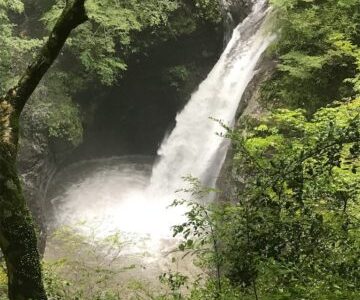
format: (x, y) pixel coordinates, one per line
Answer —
(132, 198)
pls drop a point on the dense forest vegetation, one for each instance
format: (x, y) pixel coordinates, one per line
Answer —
(287, 224)
(291, 230)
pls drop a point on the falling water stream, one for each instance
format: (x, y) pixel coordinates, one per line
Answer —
(132, 194)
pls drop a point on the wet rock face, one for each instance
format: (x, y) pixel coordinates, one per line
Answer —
(250, 106)
(133, 116)
(234, 11)
(238, 9)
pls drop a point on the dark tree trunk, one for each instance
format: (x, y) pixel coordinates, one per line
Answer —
(17, 235)
(18, 239)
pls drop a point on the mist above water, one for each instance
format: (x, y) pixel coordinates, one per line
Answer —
(132, 195)
(193, 147)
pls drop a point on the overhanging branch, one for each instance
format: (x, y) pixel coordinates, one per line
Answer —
(72, 16)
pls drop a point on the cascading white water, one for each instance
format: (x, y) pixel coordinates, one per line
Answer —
(193, 147)
(123, 196)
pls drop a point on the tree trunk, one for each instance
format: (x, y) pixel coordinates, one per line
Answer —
(17, 234)
(18, 239)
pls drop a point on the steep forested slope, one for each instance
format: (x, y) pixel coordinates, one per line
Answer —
(291, 229)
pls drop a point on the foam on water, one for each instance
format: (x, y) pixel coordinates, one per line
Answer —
(132, 197)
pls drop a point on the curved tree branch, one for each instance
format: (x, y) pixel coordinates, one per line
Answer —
(73, 15)
(18, 239)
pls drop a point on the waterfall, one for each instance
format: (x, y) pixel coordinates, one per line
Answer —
(193, 148)
(117, 194)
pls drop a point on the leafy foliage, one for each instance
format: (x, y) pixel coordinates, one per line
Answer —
(97, 52)
(92, 261)
(52, 111)
(291, 228)
(15, 49)
(177, 75)
(209, 10)
(318, 50)
(301, 198)
(117, 30)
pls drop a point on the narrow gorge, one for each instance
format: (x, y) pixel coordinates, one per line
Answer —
(179, 149)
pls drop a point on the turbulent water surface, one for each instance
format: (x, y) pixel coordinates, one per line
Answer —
(131, 194)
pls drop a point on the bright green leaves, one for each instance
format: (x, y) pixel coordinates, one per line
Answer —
(156, 13)
(52, 111)
(291, 126)
(64, 121)
(52, 15)
(284, 4)
(118, 29)
(290, 228)
(300, 65)
(318, 50)
(15, 48)
(112, 15)
(298, 203)
(95, 43)
(346, 53)
(12, 5)
(106, 41)
(97, 53)
(209, 10)
(59, 117)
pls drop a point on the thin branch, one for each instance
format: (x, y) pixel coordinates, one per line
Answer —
(72, 16)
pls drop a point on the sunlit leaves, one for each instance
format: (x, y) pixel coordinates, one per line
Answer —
(318, 51)
(104, 42)
(52, 112)
(294, 213)
(12, 5)
(299, 65)
(14, 49)
(119, 29)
